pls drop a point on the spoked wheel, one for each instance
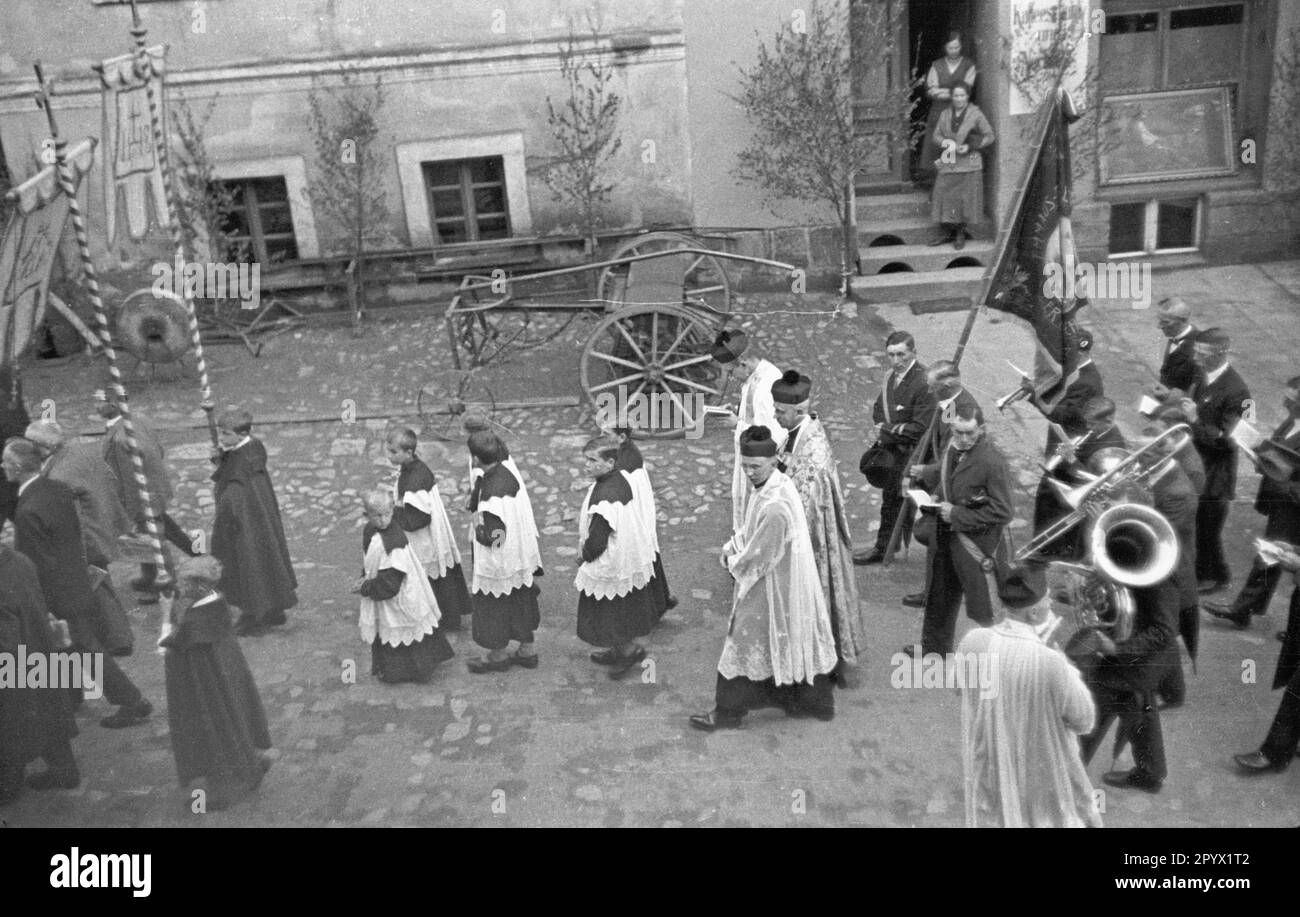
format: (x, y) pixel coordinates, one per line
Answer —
(444, 400)
(652, 366)
(704, 282)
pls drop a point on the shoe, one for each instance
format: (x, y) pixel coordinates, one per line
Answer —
(524, 662)
(1208, 586)
(960, 241)
(1255, 762)
(627, 663)
(713, 721)
(1169, 704)
(915, 600)
(483, 665)
(54, 780)
(605, 657)
(1239, 619)
(670, 603)
(1134, 779)
(273, 619)
(875, 556)
(128, 716)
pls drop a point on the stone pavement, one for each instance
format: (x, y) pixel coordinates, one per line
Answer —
(563, 745)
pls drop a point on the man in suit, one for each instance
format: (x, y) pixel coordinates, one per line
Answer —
(944, 381)
(47, 530)
(1067, 413)
(1279, 503)
(902, 415)
(1283, 735)
(1213, 406)
(13, 421)
(972, 484)
(1177, 367)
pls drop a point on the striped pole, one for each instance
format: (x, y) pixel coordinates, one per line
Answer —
(145, 70)
(69, 187)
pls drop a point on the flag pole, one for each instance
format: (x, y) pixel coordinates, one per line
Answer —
(144, 68)
(43, 93)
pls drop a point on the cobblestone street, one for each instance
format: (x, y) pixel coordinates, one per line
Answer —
(563, 745)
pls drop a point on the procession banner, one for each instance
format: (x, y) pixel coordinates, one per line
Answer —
(28, 247)
(132, 167)
(1039, 238)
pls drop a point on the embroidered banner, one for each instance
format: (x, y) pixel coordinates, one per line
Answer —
(132, 169)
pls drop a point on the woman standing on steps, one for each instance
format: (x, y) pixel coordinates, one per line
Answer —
(945, 73)
(958, 198)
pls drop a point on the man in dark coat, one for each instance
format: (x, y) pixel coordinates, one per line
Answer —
(1278, 500)
(13, 422)
(901, 413)
(1122, 677)
(214, 710)
(1284, 734)
(47, 530)
(1177, 366)
(1214, 405)
(247, 534)
(972, 483)
(34, 722)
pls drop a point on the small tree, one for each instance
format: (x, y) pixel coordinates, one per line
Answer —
(205, 204)
(585, 129)
(349, 193)
(1284, 118)
(799, 96)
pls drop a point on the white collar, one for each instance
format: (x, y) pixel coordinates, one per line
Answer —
(898, 375)
(239, 445)
(207, 599)
(26, 484)
(1177, 338)
(112, 422)
(1210, 378)
(950, 399)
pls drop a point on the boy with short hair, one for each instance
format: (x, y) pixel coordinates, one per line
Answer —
(247, 533)
(422, 516)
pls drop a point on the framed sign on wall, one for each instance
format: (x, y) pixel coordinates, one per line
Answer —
(1164, 136)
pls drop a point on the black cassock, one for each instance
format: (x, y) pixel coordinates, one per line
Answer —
(248, 536)
(213, 707)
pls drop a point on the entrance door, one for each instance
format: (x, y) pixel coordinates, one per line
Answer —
(878, 76)
(928, 25)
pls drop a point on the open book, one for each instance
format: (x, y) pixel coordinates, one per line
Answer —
(921, 498)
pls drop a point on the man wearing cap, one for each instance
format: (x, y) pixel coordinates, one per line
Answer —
(1214, 405)
(780, 650)
(806, 458)
(901, 414)
(1177, 367)
(1024, 705)
(1278, 501)
(972, 483)
(755, 409)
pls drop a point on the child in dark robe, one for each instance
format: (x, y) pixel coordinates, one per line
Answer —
(247, 534)
(218, 725)
(399, 614)
(421, 514)
(506, 559)
(632, 463)
(615, 604)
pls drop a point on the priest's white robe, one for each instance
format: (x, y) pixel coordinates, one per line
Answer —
(756, 409)
(1020, 735)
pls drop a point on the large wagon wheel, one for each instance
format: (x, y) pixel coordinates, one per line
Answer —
(654, 363)
(704, 282)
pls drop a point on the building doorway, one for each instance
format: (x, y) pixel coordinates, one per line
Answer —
(928, 25)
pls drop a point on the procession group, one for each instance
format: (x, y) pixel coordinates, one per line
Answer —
(795, 631)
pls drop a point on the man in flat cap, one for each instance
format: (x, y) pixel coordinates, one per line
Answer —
(1214, 405)
(779, 650)
(1024, 706)
(807, 459)
(755, 408)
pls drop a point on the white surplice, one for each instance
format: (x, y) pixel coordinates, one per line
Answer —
(756, 409)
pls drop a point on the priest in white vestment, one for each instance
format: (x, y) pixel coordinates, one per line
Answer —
(1024, 707)
(756, 408)
(779, 650)
(807, 459)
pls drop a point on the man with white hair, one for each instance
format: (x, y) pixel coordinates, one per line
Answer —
(1024, 706)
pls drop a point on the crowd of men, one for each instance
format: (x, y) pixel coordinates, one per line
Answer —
(796, 630)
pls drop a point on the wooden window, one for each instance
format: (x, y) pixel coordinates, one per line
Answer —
(1173, 48)
(1155, 227)
(467, 199)
(261, 226)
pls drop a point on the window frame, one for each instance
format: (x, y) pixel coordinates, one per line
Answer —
(1164, 21)
(1151, 225)
(293, 170)
(470, 215)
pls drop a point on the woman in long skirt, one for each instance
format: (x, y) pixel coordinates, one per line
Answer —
(947, 72)
(958, 199)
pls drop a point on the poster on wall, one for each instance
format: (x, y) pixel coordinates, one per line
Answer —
(133, 173)
(1163, 136)
(28, 247)
(1044, 35)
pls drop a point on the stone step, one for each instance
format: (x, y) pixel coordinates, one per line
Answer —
(954, 284)
(876, 208)
(924, 258)
(907, 230)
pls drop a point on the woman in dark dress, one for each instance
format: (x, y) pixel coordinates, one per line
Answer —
(948, 71)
